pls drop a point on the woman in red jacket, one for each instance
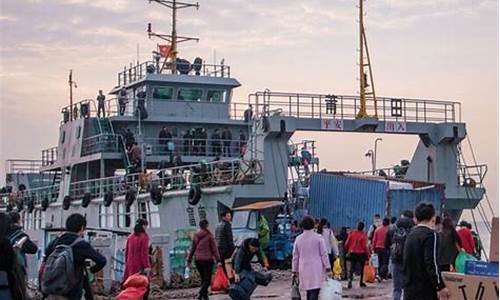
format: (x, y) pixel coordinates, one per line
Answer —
(137, 250)
(205, 251)
(357, 251)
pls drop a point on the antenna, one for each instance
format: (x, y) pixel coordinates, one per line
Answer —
(71, 85)
(363, 85)
(172, 38)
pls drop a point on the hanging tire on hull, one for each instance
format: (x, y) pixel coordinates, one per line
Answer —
(108, 199)
(156, 195)
(66, 202)
(45, 203)
(20, 204)
(130, 197)
(194, 195)
(87, 197)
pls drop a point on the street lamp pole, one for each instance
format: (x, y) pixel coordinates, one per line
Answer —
(371, 155)
(375, 154)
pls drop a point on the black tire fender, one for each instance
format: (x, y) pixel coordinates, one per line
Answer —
(108, 199)
(194, 195)
(130, 197)
(87, 198)
(66, 202)
(156, 195)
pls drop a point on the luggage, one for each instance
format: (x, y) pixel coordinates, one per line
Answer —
(134, 288)
(243, 289)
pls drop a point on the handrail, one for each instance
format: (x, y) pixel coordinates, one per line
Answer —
(196, 146)
(22, 166)
(49, 156)
(35, 194)
(305, 105)
(472, 175)
(139, 71)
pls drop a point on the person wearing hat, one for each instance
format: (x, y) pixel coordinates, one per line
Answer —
(466, 238)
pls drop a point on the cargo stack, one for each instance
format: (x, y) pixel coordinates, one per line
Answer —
(480, 279)
(182, 244)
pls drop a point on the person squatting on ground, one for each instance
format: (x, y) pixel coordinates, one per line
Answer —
(243, 259)
(422, 277)
(310, 261)
(205, 252)
(357, 252)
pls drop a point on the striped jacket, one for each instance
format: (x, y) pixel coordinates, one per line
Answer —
(422, 278)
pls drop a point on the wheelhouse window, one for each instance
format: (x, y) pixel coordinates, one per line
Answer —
(163, 92)
(216, 96)
(189, 94)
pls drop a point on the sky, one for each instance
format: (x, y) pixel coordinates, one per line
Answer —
(430, 49)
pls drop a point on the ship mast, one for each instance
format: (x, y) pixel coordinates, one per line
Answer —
(71, 85)
(364, 92)
(173, 38)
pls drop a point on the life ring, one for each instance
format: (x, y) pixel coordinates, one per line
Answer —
(156, 195)
(130, 197)
(194, 195)
(66, 202)
(108, 199)
(45, 203)
(87, 197)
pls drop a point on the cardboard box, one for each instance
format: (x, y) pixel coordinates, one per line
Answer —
(494, 240)
(470, 287)
(481, 268)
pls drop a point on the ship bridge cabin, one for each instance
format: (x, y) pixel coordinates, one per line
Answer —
(176, 119)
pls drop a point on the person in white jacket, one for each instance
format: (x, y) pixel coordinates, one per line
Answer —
(332, 245)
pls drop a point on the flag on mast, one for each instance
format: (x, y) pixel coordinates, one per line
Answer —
(164, 50)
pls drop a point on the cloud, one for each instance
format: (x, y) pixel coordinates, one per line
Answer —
(6, 18)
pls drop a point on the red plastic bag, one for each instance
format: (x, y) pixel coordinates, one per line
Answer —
(220, 282)
(135, 287)
(369, 274)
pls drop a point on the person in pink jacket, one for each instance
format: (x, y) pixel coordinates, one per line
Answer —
(310, 260)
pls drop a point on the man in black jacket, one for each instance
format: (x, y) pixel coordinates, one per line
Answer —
(75, 228)
(224, 237)
(422, 278)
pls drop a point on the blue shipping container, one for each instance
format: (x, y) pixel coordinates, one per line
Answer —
(346, 200)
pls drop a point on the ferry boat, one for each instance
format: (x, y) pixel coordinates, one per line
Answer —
(213, 153)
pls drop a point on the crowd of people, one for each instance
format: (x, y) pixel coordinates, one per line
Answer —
(413, 250)
(196, 141)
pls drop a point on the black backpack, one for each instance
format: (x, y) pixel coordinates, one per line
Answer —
(398, 243)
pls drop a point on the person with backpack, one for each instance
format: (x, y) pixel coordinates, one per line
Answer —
(64, 262)
(205, 251)
(9, 287)
(478, 246)
(422, 277)
(22, 245)
(395, 242)
(357, 252)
